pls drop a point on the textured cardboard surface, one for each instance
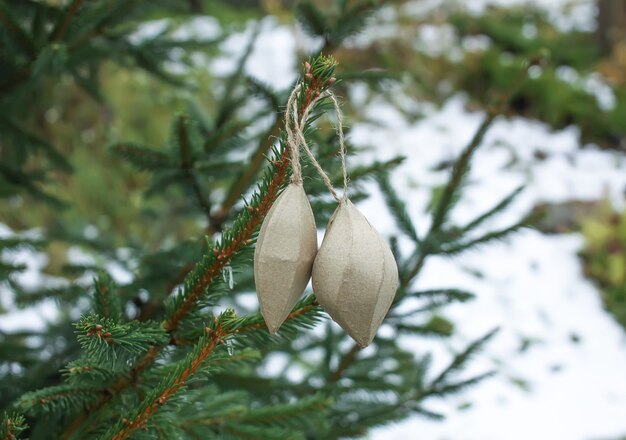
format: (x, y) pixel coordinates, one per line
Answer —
(355, 276)
(284, 254)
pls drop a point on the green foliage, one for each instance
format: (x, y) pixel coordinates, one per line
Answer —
(11, 426)
(548, 96)
(106, 301)
(230, 415)
(526, 31)
(66, 399)
(41, 44)
(348, 18)
(113, 344)
(604, 256)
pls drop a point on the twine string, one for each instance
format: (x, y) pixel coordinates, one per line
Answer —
(296, 167)
(296, 139)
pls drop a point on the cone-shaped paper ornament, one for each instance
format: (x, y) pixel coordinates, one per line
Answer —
(355, 276)
(284, 255)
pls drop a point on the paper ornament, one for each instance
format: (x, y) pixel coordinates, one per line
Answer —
(355, 276)
(284, 254)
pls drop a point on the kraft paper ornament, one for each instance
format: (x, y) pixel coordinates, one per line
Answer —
(287, 242)
(284, 255)
(355, 276)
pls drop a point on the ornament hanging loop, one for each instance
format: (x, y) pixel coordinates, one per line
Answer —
(294, 127)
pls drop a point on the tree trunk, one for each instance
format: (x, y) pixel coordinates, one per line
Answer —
(611, 23)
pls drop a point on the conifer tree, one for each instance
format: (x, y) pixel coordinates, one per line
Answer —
(176, 352)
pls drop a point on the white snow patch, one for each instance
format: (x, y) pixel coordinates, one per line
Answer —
(272, 60)
(530, 285)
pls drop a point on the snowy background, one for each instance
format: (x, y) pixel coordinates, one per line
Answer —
(568, 380)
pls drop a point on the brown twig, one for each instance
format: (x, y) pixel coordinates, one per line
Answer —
(215, 338)
(345, 362)
(62, 27)
(223, 256)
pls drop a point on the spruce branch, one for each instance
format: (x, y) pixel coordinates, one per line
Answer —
(345, 362)
(501, 206)
(106, 302)
(397, 207)
(461, 359)
(85, 371)
(227, 326)
(242, 181)
(143, 158)
(455, 248)
(232, 242)
(184, 144)
(172, 385)
(66, 397)
(452, 388)
(305, 315)
(459, 171)
(11, 426)
(105, 340)
(65, 20)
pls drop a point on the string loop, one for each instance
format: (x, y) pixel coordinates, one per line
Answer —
(295, 139)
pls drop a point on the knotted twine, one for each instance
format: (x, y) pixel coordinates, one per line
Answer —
(295, 140)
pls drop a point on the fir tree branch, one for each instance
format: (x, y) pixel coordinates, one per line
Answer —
(233, 241)
(461, 358)
(156, 400)
(345, 362)
(11, 426)
(143, 158)
(56, 397)
(397, 207)
(254, 323)
(106, 301)
(186, 165)
(296, 313)
(225, 327)
(63, 24)
(223, 253)
(243, 181)
(503, 204)
(456, 248)
(459, 170)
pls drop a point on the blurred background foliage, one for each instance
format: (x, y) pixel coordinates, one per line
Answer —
(604, 256)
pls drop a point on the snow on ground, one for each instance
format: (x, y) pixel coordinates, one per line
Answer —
(569, 382)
